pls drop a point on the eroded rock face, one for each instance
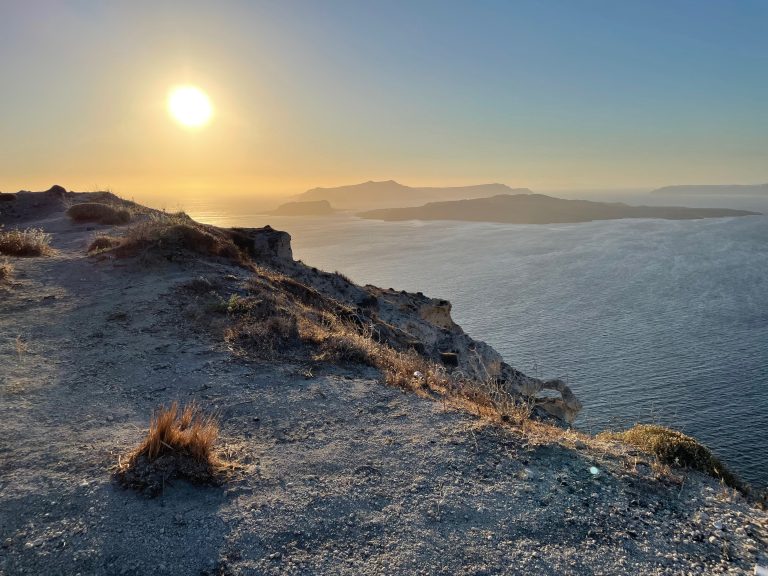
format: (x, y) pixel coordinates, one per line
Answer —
(566, 408)
(264, 243)
(437, 312)
(414, 321)
(417, 318)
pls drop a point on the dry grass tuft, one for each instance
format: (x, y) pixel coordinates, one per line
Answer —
(180, 444)
(6, 271)
(674, 448)
(176, 233)
(100, 213)
(102, 243)
(29, 242)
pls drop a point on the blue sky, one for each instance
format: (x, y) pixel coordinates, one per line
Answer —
(547, 94)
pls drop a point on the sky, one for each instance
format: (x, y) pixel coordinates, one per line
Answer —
(543, 94)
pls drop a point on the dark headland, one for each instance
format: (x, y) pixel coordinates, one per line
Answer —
(308, 208)
(357, 430)
(542, 209)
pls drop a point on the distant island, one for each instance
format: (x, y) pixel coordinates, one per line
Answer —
(391, 194)
(541, 209)
(711, 190)
(311, 208)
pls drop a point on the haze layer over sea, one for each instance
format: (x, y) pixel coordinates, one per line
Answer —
(648, 320)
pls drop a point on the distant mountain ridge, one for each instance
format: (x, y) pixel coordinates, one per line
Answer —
(392, 194)
(714, 189)
(542, 209)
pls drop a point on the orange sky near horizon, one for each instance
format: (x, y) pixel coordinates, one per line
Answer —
(326, 94)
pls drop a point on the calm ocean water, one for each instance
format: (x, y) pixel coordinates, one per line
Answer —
(649, 320)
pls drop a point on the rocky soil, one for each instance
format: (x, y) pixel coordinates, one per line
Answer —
(340, 474)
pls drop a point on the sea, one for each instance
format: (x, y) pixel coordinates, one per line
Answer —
(657, 321)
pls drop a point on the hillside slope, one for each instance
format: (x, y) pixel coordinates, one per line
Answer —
(340, 474)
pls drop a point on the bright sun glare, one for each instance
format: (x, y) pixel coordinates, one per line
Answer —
(190, 106)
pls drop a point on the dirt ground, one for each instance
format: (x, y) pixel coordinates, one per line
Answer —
(341, 474)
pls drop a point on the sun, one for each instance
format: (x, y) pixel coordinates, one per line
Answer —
(190, 106)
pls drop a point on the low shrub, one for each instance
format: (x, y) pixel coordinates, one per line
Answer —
(169, 235)
(99, 213)
(675, 449)
(180, 443)
(29, 242)
(103, 243)
(177, 232)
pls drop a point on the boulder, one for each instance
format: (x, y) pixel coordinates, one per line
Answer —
(263, 243)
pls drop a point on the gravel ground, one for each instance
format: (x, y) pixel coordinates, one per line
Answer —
(342, 475)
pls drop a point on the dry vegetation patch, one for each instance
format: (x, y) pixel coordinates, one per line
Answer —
(170, 233)
(180, 443)
(283, 318)
(674, 448)
(100, 213)
(29, 242)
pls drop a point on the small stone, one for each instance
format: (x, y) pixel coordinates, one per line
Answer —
(712, 539)
(275, 556)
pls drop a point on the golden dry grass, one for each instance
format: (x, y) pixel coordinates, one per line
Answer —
(28, 242)
(180, 443)
(674, 448)
(173, 233)
(100, 213)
